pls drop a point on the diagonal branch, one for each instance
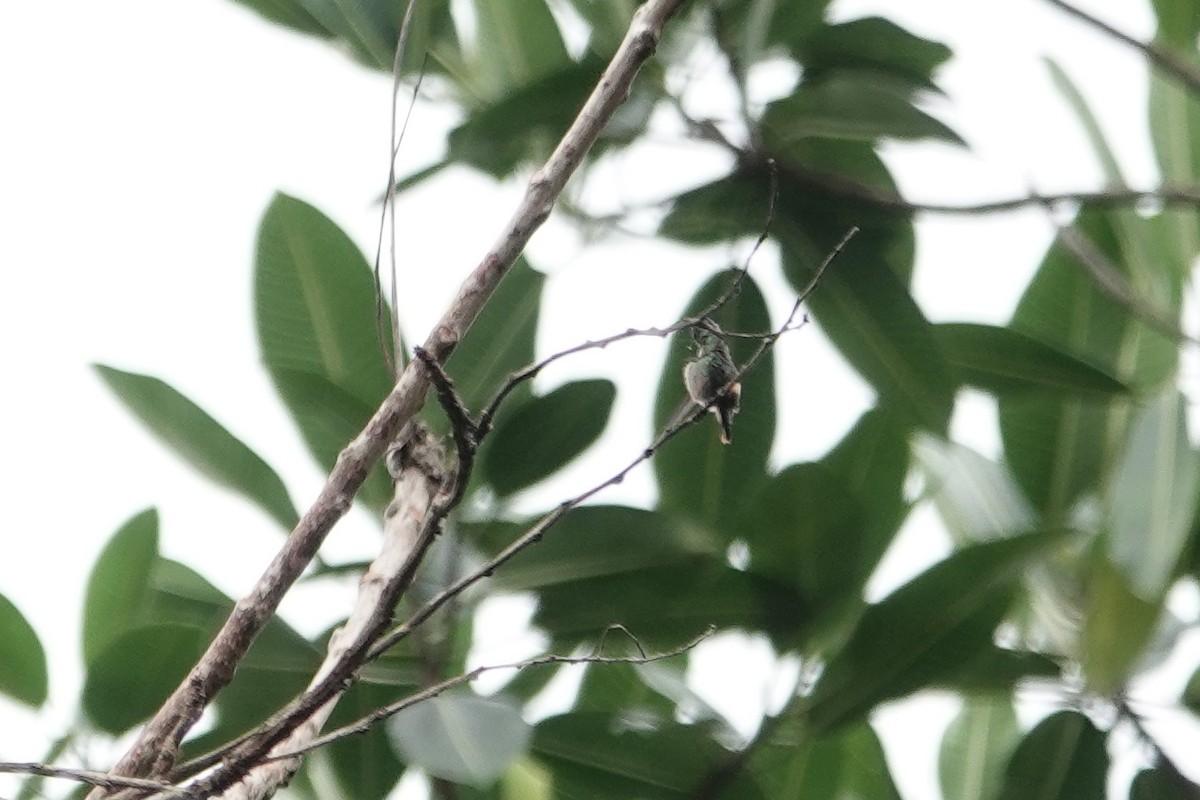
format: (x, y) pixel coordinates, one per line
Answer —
(155, 750)
(1160, 56)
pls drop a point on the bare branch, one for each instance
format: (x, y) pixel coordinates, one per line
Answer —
(1179, 781)
(155, 750)
(1161, 57)
(366, 723)
(538, 530)
(1109, 279)
(89, 777)
(847, 189)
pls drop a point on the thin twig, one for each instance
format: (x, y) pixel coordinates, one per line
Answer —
(394, 356)
(1181, 782)
(837, 185)
(538, 530)
(1108, 278)
(531, 371)
(367, 722)
(155, 749)
(89, 777)
(1163, 58)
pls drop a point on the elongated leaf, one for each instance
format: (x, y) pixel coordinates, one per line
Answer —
(977, 498)
(500, 340)
(1191, 692)
(1153, 499)
(923, 631)
(1063, 758)
(698, 477)
(315, 302)
(859, 104)
(1158, 783)
(461, 737)
(589, 542)
(119, 585)
(329, 417)
(607, 757)
(869, 315)
(803, 529)
(134, 673)
(23, 674)
(1005, 362)
(873, 43)
(366, 766)
(976, 747)
(849, 763)
(188, 430)
(667, 605)
(1117, 628)
(289, 13)
(518, 43)
(546, 433)
(369, 30)
(1058, 448)
(872, 464)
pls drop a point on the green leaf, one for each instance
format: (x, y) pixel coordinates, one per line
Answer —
(1157, 783)
(698, 477)
(611, 757)
(461, 737)
(1152, 504)
(751, 31)
(873, 43)
(872, 463)
(289, 13)
(1178, 23)
(524, 125)
(860, 104)
(203, 442)
(803, 529)
(315, 302)
(545, 433)
(119, 585)
(1191, 692)
(1117, 628)
(733, 206)
(130, 678)
(1063, 758)
(589, 542)
(366, 765)
(518, 43)
(666, 605)
(976, 498)
(369, 30)
(500, 340)
(849, 763)
(1005, 362)
(1057, 448)
(329, 417)
(976, 747)
(922, 632)
(22, 660)
(869, 315)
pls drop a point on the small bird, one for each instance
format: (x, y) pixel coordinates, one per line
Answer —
(708, 376)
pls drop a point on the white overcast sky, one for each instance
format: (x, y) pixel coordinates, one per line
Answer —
(140, 142)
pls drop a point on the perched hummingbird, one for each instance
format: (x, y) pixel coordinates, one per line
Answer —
(708, 376)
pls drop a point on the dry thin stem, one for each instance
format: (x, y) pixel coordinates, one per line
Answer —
(89, 777)
(538, 530)
(367, 722)
(1161, 57)
(1109, 279)
(531, 371)
(155, 750)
